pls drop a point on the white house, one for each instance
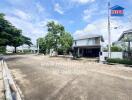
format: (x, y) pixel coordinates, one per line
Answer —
(88, 45)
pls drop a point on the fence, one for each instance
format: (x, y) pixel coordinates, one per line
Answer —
(127, 55)
(104, 55)
(12, 92)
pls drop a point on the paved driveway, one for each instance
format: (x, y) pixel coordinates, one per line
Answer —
(44, 78)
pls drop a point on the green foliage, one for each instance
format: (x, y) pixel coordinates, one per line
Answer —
(54, 32)
(113, 49)
(120, 61)
(116, 49)
(26, 40)
(42, 45)
(10, 35)
(66, 41)
(57, 38)
(2, 49)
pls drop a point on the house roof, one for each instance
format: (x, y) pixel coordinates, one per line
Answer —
(87, 36)
(117, 8)
(128, 31)
(125, 32)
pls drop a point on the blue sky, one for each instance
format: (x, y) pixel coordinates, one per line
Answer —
(79, 17)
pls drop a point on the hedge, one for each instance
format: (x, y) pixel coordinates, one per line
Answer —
(120, 61)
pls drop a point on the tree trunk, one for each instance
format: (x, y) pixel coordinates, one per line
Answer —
(15, 49)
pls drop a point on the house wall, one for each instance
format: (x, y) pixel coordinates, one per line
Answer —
(87, 42)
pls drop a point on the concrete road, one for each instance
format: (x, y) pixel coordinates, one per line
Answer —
(44, 78)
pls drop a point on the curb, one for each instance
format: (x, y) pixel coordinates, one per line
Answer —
(2, 95)
(12, 92)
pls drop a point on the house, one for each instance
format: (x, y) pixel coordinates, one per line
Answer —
(88, 45)
(126, 33)
(126, 38)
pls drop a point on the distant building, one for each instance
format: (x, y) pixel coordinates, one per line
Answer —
(128, 33)
(88, 45)
(125, 42)
(32, 49)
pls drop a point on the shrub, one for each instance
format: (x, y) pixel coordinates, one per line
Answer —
(120, 61)
(2, 49)
(116, 49)
(113, 49)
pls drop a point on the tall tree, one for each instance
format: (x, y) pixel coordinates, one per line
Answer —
(10, 35)
(20, 40)
(26, 40)
(66, 42)
(42, 45)
(53, 36)
(57, 38)
(5, 28)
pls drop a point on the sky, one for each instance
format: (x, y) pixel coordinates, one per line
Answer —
(79, 17)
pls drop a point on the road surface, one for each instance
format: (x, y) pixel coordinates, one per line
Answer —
(45, 78)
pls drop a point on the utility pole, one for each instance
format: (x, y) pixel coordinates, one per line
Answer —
(109, 32)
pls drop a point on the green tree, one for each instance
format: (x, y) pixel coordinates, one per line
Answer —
(53, 36)
(10, 35)
(20, 40)
(2, 49)
(116, 49)
(66, 42)
(42, 45)
(57, 38)
(26, 40)
(16, 41)
(5, 28)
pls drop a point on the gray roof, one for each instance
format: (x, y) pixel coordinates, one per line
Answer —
(128, 31)
(125, 32)
(87, 36)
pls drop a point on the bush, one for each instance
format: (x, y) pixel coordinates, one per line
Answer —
(2, 49)
(113, 49)
(116, 49)
(120, 61)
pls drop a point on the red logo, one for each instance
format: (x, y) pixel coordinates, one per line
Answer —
(117, 12)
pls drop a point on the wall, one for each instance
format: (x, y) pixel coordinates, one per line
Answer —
(113, 55)
(86, 42)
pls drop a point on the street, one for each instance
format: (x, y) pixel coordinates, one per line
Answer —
(44, 78)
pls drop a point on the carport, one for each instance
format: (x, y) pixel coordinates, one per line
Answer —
(87, 51)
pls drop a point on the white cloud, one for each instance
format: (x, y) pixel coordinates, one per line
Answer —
(83, 1)
(21, 14)
(29, 20)
(30, 29)
(100, 27)
(58, 8)
(39, 7)
(89, 12)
